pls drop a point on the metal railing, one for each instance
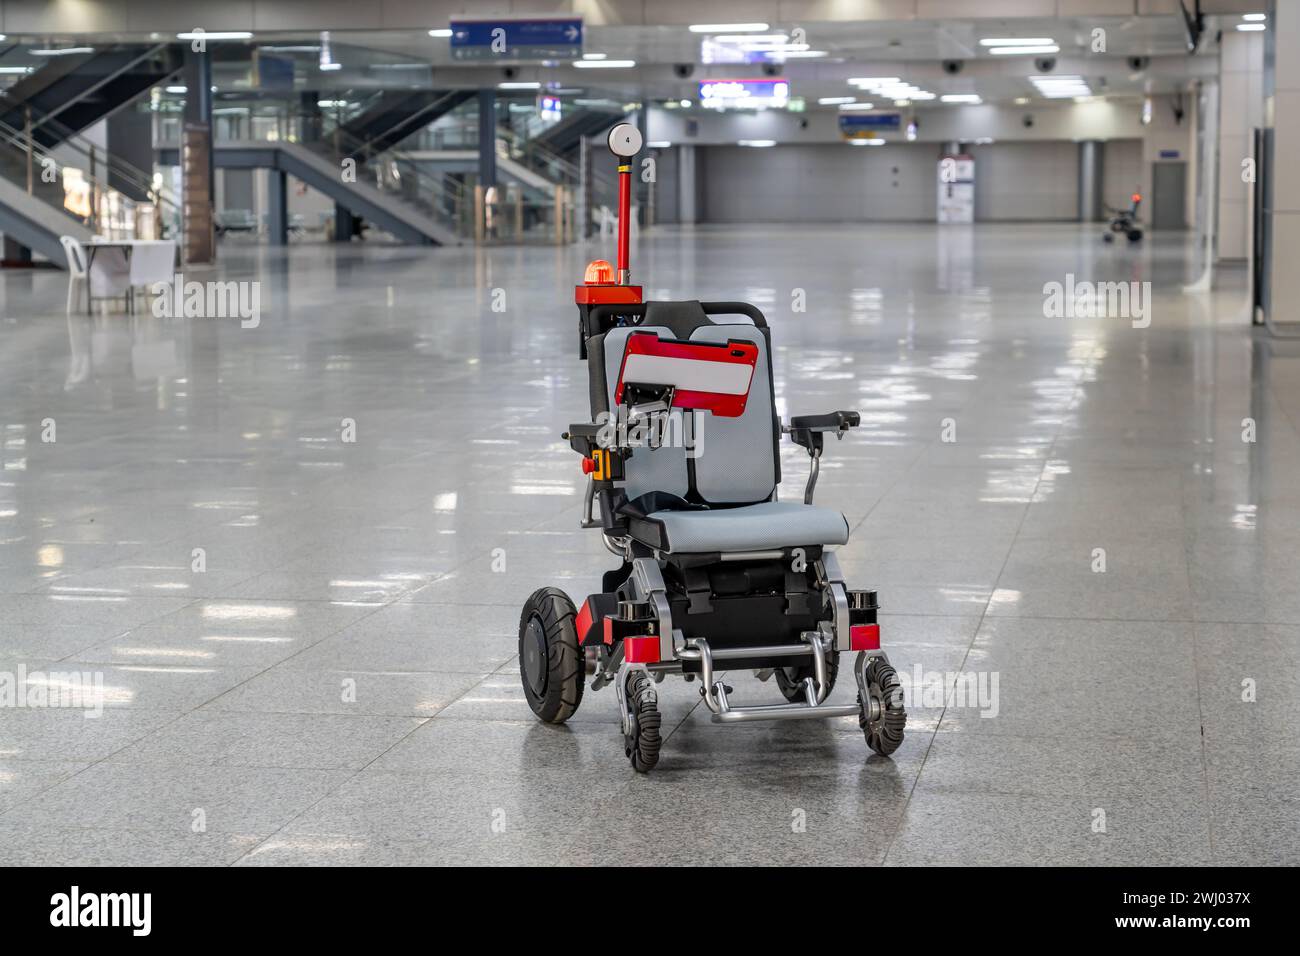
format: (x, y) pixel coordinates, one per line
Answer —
(84, 183)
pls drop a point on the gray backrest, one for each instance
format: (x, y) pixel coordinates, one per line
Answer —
(734, 460)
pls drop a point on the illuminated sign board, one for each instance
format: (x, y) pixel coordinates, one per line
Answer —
(744, 94)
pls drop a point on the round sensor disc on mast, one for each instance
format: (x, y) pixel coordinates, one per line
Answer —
(625, 140)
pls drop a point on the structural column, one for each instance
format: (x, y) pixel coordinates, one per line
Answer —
(197, 167)
(687, 207)
(1090, 180)
(1281, 209)
(1241, 112)
(277, 197)
(487, 138)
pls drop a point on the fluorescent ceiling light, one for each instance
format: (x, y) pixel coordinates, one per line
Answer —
(330, 67)
(1249, 17)
(802, 54)
(872, 141)
(755, 39)
(439, 33)
(1059, 87)
(659, 144)
(400, 66)
(64, 51)
(1023, 50)
(1017, 41)
(1243, 27)
(757, 143)
(604, 64)
(595, 56)
(176, 89)
(835, 100)
(857, 106)
(960, 98)
(520, 85)
(727, 27)
(205, 35)
(15, 69)
(873, 80)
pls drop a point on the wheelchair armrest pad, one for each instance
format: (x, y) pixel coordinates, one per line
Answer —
(829, 422)
(582, 437)
(808, 430)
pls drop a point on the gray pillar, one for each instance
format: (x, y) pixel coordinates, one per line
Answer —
(687, 212)
(277, 200)
(343, 224)
(487, 138)
(1281, 206)
(313, 121)
(1090, 180)
(15, 251)
(129, 137)
(641, 190)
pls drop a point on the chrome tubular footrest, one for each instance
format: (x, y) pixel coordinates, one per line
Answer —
(715, 692)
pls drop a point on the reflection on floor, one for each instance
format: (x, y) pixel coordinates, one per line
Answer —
(339, 685)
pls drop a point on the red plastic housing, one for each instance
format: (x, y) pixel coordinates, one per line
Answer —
(641, 650)
(582, 624)
(688, 367)
(864, 637)
(607, 294)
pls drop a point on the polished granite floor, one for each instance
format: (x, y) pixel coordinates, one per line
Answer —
(339, 684)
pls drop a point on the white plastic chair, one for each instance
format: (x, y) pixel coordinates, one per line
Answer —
(77, 275)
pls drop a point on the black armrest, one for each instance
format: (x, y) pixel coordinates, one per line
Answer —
(583, 437)
(810, 430)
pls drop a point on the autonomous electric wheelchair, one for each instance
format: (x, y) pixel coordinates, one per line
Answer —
(716, 573)
(1124, 221)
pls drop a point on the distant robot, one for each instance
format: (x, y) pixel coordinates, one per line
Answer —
(1124, 221)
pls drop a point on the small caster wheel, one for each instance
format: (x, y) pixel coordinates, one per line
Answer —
(1134, 235)
(1108, 237)
(551, 664)
(882, 716)
(641, 735)
(789, 680)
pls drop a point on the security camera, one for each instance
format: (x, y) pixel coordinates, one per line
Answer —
(1045, 64)
(1138, 63)
(1027, 120)
(952, 67)
(510, 72)
(803, 123)
(683, 71)
(771, 69)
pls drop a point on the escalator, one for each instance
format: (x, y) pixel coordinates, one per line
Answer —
(73, 92)
(395, 115)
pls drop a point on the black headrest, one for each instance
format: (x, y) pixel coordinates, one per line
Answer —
(681, 318)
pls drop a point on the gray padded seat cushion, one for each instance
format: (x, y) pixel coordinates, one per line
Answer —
(760, 527)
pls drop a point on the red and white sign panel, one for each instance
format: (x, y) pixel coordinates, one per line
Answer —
(709, 376)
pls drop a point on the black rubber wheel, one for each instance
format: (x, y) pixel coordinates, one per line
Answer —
(551, 664)
(1134, 235)
(886, 733)
(641, 743)
(790, 679)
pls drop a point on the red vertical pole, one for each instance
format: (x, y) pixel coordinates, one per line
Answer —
(624, 213)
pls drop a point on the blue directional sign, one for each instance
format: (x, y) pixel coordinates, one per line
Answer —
(538, 39)
(863, 124)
